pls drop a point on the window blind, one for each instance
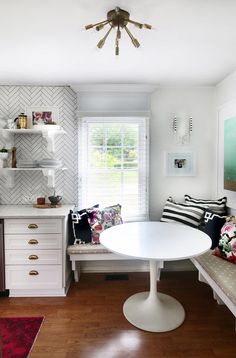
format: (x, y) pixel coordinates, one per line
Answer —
(113, 166)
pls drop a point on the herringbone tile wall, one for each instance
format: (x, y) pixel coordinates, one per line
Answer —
(29, 184)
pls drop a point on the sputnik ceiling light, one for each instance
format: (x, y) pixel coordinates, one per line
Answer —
(119, 19)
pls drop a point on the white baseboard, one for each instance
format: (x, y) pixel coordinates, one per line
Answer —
(37, 293)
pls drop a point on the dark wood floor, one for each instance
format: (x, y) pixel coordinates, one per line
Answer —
(89, 322)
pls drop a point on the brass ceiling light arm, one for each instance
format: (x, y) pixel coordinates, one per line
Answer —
(117, 47)
(118, 18)
(135, 23)
(102, 41)
(133, 39)
(147, 26)
(139, 25)
(90, 26)
(101, 26)
(118, 36)
(118, 33)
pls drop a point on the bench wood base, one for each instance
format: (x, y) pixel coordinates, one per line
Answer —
(76, 260)
(218, 293)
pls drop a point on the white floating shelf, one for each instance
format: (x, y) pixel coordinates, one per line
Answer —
(7, 135)
(9, 174)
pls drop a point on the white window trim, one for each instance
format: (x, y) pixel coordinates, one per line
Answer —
(83, 141)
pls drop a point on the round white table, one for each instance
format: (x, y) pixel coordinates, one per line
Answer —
(155, 241)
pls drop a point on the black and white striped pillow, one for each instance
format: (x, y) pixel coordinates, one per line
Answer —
(182, 213)
(218, 206)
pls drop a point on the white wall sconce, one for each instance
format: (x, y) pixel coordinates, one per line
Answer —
(183, 127)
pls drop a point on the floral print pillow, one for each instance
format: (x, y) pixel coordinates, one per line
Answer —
(103, 219)
(227, 243)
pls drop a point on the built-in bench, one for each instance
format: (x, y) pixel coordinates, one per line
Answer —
(90, 252)
(220, 274)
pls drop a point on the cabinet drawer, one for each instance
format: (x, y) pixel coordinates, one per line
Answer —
(32, 226)
(34, 277)
(35, 242)
(29, 257)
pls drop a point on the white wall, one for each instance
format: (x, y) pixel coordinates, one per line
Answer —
(226, 90)
(114, 100)
(164, 103)
(200, 104)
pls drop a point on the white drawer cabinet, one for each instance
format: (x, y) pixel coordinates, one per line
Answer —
(36, 241)
(34, 277)
(32, 226)
(29, 257)
(35, 256)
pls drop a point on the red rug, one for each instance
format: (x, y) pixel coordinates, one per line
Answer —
(17, 336)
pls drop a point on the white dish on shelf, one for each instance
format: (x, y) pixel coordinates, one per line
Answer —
(46, 127)
(27, 161)
(25, 166)
(50, 166)
(49, 162)
(19, 165)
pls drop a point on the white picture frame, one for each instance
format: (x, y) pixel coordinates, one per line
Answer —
(42, 115)
(180, 164)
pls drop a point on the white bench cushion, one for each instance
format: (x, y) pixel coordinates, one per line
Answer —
(221, 271)
(87, 249)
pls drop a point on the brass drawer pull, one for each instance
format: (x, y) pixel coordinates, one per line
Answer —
(33, 257)
(33, 242)
(33, 226)
(33, 273)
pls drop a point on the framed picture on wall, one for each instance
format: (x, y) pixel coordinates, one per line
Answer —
(226, 171)
(40, 116)
(180, 164)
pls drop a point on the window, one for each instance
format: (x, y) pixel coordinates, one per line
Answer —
(113, 165)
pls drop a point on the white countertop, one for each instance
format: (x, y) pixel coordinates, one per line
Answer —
(22, 211)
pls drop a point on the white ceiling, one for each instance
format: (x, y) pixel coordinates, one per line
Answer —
(44, 42)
